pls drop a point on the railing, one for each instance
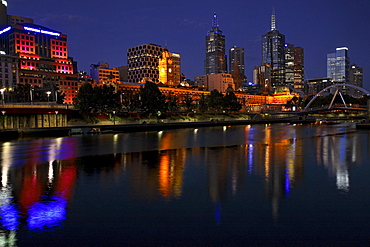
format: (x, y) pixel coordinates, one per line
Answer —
(36, 105)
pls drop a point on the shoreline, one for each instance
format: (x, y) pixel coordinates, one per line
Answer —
(133, 127)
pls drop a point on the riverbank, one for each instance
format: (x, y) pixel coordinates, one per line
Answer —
(142, 126)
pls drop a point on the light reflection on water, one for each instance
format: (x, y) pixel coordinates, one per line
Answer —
(178, 172)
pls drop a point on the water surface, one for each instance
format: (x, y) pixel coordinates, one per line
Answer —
(221, 186)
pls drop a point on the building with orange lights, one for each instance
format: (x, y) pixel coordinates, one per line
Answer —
(169, 67)
(102, 74)
(42, 56)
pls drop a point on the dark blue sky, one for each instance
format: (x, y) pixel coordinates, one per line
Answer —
(103, 30)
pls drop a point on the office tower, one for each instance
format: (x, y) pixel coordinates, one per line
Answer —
(338, 65)
(298, 68)
(215, 50)
(273, 53)
(169, 69)
(236, 65)
(356, 79)
(142, 62)
(43, 58)
(289, 64)
(221, 82)
(102, 74)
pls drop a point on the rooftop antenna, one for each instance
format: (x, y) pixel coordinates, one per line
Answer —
(273, 20)
(215, 21)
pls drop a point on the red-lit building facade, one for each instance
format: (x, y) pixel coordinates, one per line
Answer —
(43, 58)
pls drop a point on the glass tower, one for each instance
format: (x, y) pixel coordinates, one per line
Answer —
(273, 53)
(338, 65)
(215, 62)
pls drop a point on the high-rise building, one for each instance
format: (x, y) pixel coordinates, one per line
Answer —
(102, 74)
(273, 53)
(215, 62)
(8, 71)
(338, 65)
(43, 58)
(6, 20)
(142, 62)
(236, 65)
(220, 82)
(298, 68)
(356, 79)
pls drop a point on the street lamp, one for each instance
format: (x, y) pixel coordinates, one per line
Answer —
(2, 95)
(48, 93)
(3, 112)
(114, 119)
(56, 118)
(31, 96)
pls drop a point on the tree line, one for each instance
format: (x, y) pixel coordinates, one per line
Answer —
(149, 101)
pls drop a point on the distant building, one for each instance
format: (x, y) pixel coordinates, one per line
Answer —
(8, 71)
(236, 65)
(356, 79)
(215, 62)
(169, 66)
(123, 73)
(273, 53)
(221, 82)
(338, 65)
(298, 68)
(102, 74)
(154, 63)
(262, 76)
(314, 86)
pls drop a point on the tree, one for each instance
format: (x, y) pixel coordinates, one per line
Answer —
(202, 107)
(97, 100)
(188, 103)
(230, 103)
(130, 101)
(215, 100)
(172, 103)
(152, 100)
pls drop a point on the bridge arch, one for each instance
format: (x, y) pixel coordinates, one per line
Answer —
(335, 86)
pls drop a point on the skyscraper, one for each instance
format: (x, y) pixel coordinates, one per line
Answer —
(338, 65)
(273, 53)
(356, 79)
(236, 65)
(294, 66)
(215, 62)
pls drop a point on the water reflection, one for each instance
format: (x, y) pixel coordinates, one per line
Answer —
(39, 177)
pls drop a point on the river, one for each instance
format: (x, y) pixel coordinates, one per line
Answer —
(258, 185)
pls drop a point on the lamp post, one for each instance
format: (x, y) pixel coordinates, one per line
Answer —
(114, 119)
(56, 118)
(31, 96)
(3, 112)
(2, 95)
(48, 93)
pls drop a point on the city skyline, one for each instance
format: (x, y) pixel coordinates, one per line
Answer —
(105, 33)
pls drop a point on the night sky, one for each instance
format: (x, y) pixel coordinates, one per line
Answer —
(103, 30)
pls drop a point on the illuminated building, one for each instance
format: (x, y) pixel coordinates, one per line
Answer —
(273, 53)
(236, 65)
(169, 66)
(355, 78)
(102, 74)
(8, 71)
(143, 61)
(337, 67)
(220, 82)
(294, 66)
(314, 86)
(43, 58)
(215, 62)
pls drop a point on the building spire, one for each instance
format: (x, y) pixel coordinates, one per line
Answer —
(215, 21)
(273, 20)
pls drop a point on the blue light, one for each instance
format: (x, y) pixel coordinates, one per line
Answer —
(5, 30)
(287, 183)
(41, 31)
(47, 213)
(9, 217)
